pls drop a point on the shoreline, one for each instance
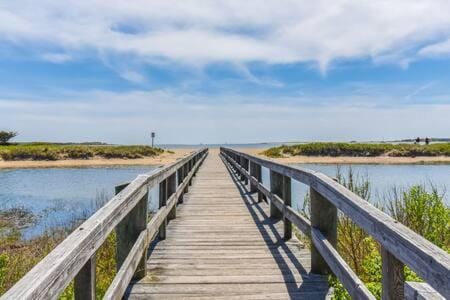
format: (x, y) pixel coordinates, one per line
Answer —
(166, 158)
(375, 160)
(163, 159)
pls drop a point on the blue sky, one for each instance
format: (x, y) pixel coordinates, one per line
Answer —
(224, 71)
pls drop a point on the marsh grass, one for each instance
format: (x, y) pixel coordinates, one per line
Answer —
(18, 255)
(419, 207)
(359, 150)
(43, 151)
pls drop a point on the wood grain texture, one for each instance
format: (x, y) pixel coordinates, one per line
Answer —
(50, 276)
(393, 279)
(223, 244)
(430, 262)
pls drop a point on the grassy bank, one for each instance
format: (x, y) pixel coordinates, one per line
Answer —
(18, 255)
(359, 150)
(44, 151)
(421, 208)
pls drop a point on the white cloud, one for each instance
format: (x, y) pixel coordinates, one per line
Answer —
(201, 32)
(133, 76)
(56, 57)
(183, 118)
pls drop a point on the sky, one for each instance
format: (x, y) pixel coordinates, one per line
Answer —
(224, 71)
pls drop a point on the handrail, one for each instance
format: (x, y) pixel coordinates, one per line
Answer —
(74, 257)
(400, 245)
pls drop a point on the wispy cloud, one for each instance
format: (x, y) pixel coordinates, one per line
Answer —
(127, 117)
(199, 32)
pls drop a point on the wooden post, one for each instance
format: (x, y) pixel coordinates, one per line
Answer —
(258, 169)
(253, 171)
(180, 177)
(246, 167)
(393, 278)
(190, 164)
(162, 203)
(185, 174)
(276, 187)
(171, 188)
(128, 230)
(84, 288)
(288, 202)
(241, 163)
(324, 218)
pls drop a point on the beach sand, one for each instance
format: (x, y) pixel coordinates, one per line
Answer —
(166, 158)
(162, 159)
(350, 159)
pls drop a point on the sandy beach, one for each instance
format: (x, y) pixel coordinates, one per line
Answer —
(162, 159)
(351, 159)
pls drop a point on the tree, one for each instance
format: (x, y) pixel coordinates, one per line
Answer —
(5, 136)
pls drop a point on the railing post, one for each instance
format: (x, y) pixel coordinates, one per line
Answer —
(85, 288)
(180, 177)
(276, 187)
(171, 188)
(162, 203)
(246, 168)
(128, 230)
(393, 278)
(190, 164)
(324, 218)
(253, 167)
(241, 163)
(185, 174)
(288, 202)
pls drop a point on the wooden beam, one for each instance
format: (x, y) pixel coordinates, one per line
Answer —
(128, 230)
(84, 287)
(323, 218)
(393, 279)
(277, 188)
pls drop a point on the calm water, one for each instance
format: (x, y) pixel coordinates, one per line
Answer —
(383, 178)
(57, 196)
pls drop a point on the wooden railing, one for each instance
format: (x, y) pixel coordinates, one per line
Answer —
(399, 245)
(126, 212)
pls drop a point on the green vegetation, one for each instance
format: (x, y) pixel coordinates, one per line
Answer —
(18, 256)
(422, 210)
(46, 151)
(360, 149)
(5, 136)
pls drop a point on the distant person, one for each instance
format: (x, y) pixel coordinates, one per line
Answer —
(417, 140)
(427, 141)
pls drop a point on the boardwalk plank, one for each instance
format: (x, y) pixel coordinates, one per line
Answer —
(222, 245)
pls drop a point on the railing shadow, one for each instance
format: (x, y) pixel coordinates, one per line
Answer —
(276, 248)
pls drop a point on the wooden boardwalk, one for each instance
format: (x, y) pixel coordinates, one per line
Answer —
(223, 245)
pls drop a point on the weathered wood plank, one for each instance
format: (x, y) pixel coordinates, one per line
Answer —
(221, 239)
(49, 277)
(429, 261)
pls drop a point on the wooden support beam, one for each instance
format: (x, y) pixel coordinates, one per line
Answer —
(128, 230)
(162, 203)
(288, 202)
(323, 218)
(84, 288)
(276, 187)
(253, 167)
(171, 188)
(393, 280)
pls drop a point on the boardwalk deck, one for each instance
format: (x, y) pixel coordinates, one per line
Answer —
(223, 245)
